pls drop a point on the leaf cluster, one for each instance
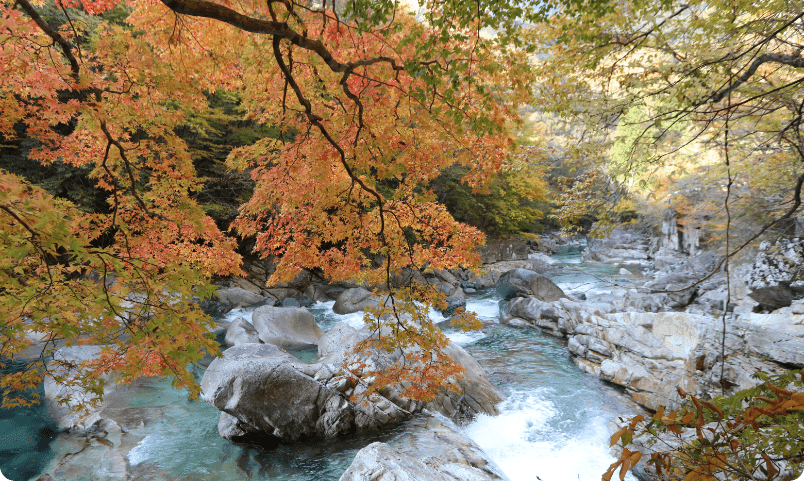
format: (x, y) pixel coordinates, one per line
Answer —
(754, 434)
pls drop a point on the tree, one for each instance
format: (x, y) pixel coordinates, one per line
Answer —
(754, 434)
(699, 105)
(717, 89)
(371, 104)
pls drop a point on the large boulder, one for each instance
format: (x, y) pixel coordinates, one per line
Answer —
(477, 394)
(454, 301)
(526, 283)
(286, 326)
(269, 391)
(776, 272)
(264, 390)
(778, 336)
(353, 300)
(381, 462)
(522, 311)
(437, 451)
(650, 354)
(620, 246)
(337, 342)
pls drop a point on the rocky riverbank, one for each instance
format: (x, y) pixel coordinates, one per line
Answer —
(668, 332)
(652, 328)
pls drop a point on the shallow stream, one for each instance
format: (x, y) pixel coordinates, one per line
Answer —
(552, 426)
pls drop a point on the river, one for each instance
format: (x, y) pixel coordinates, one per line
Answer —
(553, 424)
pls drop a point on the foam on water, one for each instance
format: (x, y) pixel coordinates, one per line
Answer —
(529, 441)
(243, 312)
(142, 451)
(486, 309)
(463, 338)
(326, 318)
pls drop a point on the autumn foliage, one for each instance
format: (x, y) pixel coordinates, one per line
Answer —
(370, 104)
(754, 434)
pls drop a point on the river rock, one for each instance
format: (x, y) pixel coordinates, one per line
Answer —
(650, 354)
(66, 403)
(526, 283)
(620, 246)
(286, 326)
(477, 395)
(774, 272)
(541, 263)
(778, 336)
(279, 294)
(335, 343)
(445, 281)
(536, 313)
(98, 454)
(239, 297)
(454, 301)
(241, 331)
(515, 250)
(353, 300)
(269, 391)
(381, 462)
(438, 451)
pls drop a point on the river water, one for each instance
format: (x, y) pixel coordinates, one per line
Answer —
(552, 425)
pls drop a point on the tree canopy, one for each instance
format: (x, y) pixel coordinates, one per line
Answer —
(674, 102)
(366, 102)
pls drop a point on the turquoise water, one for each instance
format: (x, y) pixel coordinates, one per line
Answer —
(26, 435)
(553, 416)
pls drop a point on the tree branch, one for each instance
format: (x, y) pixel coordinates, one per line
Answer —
(206, 9)
(794, 61)
(67, 49)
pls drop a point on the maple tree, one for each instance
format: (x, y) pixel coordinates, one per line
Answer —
(368, 104)
(754, 434)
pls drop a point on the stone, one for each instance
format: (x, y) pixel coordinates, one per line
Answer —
(269, 391)
(335, 343)
(478, 395)
(381, 462)
(290, 302)
(436, 450)
(239, 297)
(537, 313)
(316, 292)
(279, 294)
(526, 283)
(454, 301)
(286, 326)
(503, 251)
(776, 268)
(241, 331)
(353, 300)
(621, 245)
(70, 415)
